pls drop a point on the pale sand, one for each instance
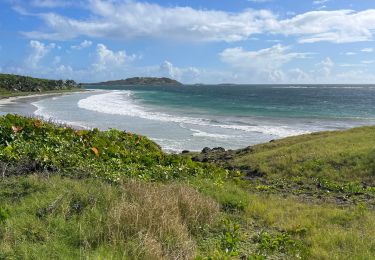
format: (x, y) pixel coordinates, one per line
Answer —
(10, 100)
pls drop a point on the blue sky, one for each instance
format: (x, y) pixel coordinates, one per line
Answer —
(212, 41)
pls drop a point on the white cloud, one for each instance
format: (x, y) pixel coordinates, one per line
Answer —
(168, 70)
(265, 63)
(38, 51)
(108, 59)
(368, 61)
(319, 2)
(350, 65)
(299, 76)
(333, 26)
(367, 50)
(264, 60)
(82, 45)
(50, 3)
(124, 20)
(325, 67)
(56, 60)
(350, 53)
(128, 19)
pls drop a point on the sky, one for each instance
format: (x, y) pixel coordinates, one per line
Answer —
(195, 41)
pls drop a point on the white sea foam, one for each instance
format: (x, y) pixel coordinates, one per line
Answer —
(200, 133)
(121, 103)
(293, 87)
(43, 113)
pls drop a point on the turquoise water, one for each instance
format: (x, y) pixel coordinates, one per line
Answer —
(230, 116)
(319, 101)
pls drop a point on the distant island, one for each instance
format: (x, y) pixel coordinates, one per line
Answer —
(144, 81)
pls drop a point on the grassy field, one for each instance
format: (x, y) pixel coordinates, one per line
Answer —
(68, 194)
(336, 166)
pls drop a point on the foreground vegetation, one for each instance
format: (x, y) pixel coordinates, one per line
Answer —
(14, 85)
(72, 194)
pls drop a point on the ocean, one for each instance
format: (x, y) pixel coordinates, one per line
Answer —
(197, 116)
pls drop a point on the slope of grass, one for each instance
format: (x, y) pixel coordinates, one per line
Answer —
(337, 166)
(68, 194)
(340, 156)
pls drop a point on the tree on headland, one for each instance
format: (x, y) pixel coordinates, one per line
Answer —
(11, 82)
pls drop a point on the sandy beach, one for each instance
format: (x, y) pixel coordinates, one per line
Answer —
(23, 104)
(10, 100)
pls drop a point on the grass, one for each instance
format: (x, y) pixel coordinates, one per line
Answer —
(59, 216)
(329, 232)
(115, 195)
(338, 156)
(337, 166)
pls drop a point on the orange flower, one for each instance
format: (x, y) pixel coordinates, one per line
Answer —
(16, 129)
(38, 124)
(95, 151)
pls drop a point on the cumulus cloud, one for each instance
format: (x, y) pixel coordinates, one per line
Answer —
(38, 51)
(265, 61)
(367, 50)
(126, 20)
(129, 19)
(325, 67)
(167, 69)
(367, 61)
(82, 45)
(50, 3)
(108, 59)
(340, 26)
(319, 2)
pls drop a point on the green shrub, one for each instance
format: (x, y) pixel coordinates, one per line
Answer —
(31, 145)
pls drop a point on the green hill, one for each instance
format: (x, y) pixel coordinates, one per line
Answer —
(140, 81)
(67, 193)
(10, 84)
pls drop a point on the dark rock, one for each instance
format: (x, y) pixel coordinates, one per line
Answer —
(272, 141)
(205, 159)
(185, 151)
(195, 159)
(218, 149)
(248, 149)
(206, 150)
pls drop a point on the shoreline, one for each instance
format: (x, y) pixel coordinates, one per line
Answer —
(24, 105)
(6, 100)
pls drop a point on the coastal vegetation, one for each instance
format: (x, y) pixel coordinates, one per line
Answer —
(140, 81)
(67, 193)
(15, 85)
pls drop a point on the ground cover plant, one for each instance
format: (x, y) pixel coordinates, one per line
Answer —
(71, 194)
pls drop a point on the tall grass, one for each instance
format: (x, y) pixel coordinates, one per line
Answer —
(74, 218)
(330, 232)
(162, 217)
